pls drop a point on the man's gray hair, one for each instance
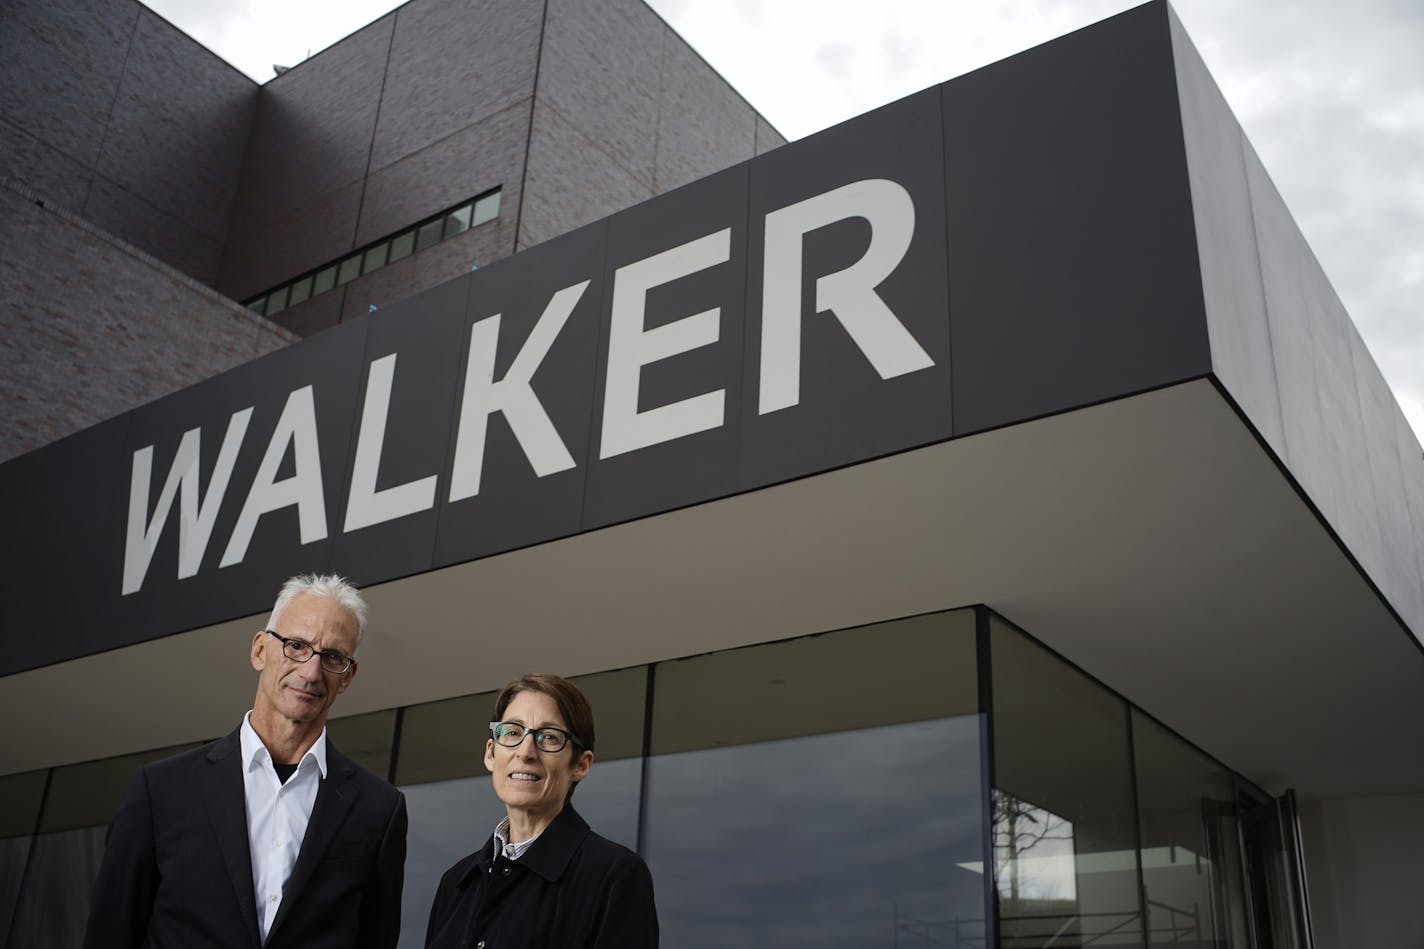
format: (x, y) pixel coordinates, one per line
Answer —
(330, 586)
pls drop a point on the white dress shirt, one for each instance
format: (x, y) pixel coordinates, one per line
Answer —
(277, 816)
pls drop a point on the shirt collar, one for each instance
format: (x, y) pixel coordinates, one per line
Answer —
(255, 753)
(557, 845)
(503, 846)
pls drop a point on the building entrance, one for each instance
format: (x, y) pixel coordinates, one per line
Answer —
(1275, 873)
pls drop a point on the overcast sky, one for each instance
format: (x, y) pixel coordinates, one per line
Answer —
(1331, 94)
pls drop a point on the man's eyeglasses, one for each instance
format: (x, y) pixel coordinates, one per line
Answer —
(299, 650)
(548, 738)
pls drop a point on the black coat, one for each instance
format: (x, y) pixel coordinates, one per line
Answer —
(177, 873)
(571, 888)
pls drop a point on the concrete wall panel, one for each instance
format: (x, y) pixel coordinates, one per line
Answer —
(1364, 875)
(704, 126)
(1411, 464)
(1226, 245)
(453, 63)
(1399, 537)
(486, 154)
(767, 137)
(1320, 407)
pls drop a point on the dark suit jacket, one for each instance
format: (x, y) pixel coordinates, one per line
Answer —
(177, 873)
(572, 888)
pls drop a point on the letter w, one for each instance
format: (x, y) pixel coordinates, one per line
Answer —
(196, 514)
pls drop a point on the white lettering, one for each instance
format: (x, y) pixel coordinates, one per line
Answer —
(513, 395)
(196, 513)
(296, 427)
(631, 347)
(366, 505)
(849, 293)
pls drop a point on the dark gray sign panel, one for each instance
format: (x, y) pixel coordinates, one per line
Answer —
(1072, 252)
(1013, 243)
(847, 281)
(668, 392)
(518, 440)
(234, 485)
(412, 360)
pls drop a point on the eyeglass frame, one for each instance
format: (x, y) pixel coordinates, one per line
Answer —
(568, 736)
(313, 651)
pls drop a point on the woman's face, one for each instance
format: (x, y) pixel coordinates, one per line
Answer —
(529, 780)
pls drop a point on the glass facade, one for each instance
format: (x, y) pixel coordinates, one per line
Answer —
(940, 780)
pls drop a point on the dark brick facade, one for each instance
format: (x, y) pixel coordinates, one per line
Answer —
(164, 172)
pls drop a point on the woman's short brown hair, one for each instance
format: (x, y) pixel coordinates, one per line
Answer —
(573, 706)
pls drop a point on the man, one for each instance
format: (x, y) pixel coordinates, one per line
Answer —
(269, 836)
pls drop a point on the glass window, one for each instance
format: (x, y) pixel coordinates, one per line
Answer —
(277, 301)
(1191, 853)
(375, 257)
(402, 245)
(486, 209)
(366, 739)
(824, 791)
(348, 270)
(20, 796)
(79, 804)
(324, 280)
(300, 292)
(428, 233)
(258, 306)
(1064, 826)
(458, 220)
(450, 799)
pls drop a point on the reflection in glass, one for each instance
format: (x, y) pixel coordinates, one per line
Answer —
(402, 245)
(301, 291)
(53, 901)
(862, 838)
(375, 257)
(1190, 851)
(823, 791)
(348, 270)
(1064, 818)
(1033, 854)
(324, 280)
(277, 302)
(428, 234)
(20, 796)
(457, 220)
(486, 209)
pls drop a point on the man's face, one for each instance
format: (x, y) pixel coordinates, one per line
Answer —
(302, 692)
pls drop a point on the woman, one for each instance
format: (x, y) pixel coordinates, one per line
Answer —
(543, 878)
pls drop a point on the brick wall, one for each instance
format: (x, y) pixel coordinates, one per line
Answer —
(91, 327)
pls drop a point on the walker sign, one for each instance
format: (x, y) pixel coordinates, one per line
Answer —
(784, 317)
(847, 295)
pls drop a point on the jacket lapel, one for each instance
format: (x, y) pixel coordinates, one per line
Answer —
(333, 802)
(226, 799)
